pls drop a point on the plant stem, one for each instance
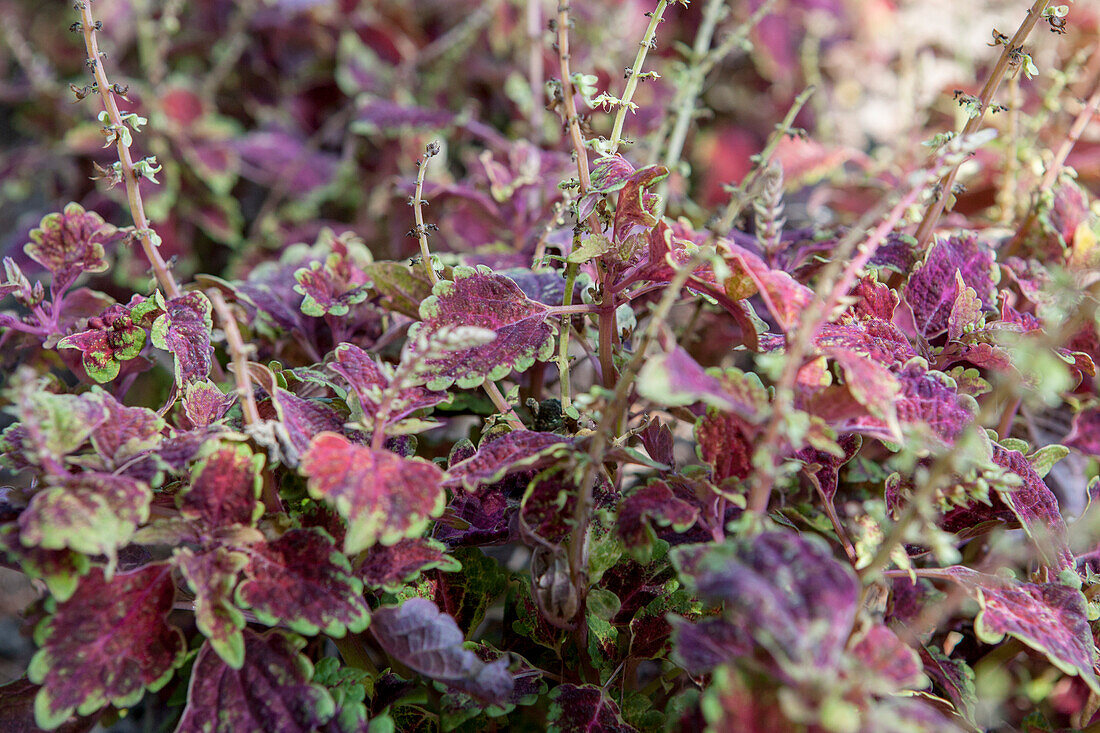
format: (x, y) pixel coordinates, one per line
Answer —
(699, 65)
(635, 72)
(502, 406)
(237, 351)
(1050, 175)
(601, 437)
(420, 230)
(571, 119)
(563, 337)
(739, 196)
(935, 209)
(142, 229)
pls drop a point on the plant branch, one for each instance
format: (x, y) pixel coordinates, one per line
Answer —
(417, 202)
(739, 196)
(568, 98)
(143, 230)
(699, 65)
(648, 41)
(238, 353)
(973, 124)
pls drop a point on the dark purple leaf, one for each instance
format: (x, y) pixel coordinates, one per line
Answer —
(107, 644)
(932, 288)
(652, 506)
(303, 582)
(271, 690)
(711, 642)
(17, 711)
(1085, 434)
(786, 590)
(480, 298)
(584, 709)
(428, 641)
(521, 450)
(383, 497)
(183, 328)
(303, 421)
(391, 567)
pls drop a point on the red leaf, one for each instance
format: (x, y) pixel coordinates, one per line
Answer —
(384, 497)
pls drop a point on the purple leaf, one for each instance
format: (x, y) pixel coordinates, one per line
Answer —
(876, 338)
(301, 581)
(107, 644)
(932, 288)
(675, 379)
(69, 243)
(369, 382)
(726, 442)
(584, 709)
(480, 298)
(651, 506)
(391, 567)
(331, 287)
(428, 641)
(711, 642)
(270, 691)
(823, 468)
(520, 450)
(886, 661)
(386, 117)
(113, 340)
(60, 570)
(204, 404)
(17, 711)
(303, 420)
(1085, 434)
(382, 496)
(93, 513)
(183, 328)
(785, 590)
(126, 432)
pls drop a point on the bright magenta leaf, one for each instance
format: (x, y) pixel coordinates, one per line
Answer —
(224, 489)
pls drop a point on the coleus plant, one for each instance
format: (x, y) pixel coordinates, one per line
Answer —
(523, 486)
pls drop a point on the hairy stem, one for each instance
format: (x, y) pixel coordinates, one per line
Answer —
(1050, 175)
(699, 65)
(985, 98)
(238, 352)
(635, 74)
(739, 196)
(143, 230)
(568, 99)
(563, 337)
(420, 230)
